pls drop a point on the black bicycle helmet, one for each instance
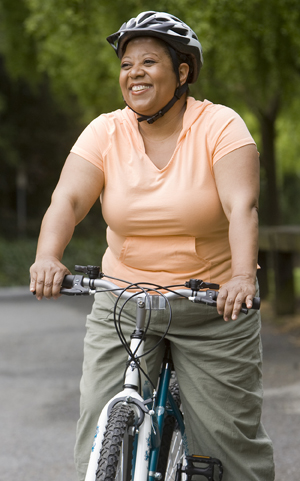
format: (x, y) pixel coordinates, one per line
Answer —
(177, 35)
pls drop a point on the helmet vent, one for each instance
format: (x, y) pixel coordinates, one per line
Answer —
(166, 27)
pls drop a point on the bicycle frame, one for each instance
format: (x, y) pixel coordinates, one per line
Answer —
(148, 422)
(164, 395)
(146, 456)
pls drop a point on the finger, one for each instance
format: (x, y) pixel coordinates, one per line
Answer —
(39, 286)
(249, 301)
(57, 283)
(237, 307)
(228, 307)
(36, 281)
(32, 284)
(48, 285)
(221, 300)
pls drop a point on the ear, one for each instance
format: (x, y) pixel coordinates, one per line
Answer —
(183, 72)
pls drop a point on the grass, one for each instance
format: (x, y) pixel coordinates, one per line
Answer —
(16, 257)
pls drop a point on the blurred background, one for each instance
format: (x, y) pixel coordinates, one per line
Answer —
(57, 73)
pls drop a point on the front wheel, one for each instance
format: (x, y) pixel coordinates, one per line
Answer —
(115, 461)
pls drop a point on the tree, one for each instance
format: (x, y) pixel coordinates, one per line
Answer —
(35, 137)
(252, 57)
(251, 52)
(36, 132)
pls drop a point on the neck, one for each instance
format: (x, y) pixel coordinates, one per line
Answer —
(170, 123)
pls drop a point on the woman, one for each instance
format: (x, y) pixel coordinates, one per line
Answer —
(179, 185)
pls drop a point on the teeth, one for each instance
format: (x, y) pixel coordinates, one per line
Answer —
(136, 88)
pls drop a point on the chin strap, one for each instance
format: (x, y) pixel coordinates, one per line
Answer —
(177, 95)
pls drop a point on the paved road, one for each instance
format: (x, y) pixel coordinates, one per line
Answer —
(40, 367)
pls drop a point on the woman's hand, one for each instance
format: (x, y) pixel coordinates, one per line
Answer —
(232, 295)
(46, 276)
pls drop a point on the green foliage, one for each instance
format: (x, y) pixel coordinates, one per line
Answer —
(251, 49)
(288, 161)
(288, 140)
(17, 256)
(15, 41)
(72, 48)
(251, 62)
(15, 260)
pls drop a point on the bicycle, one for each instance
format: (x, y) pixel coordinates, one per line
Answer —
(140, 434)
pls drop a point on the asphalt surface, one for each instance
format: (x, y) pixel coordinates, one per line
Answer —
(40, 368)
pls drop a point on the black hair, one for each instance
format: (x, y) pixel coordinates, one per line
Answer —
(179, 58)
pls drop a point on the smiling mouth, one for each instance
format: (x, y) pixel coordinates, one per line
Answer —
(139, 88)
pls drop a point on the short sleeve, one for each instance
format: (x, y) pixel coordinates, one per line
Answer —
(91, 144)
(227, 132)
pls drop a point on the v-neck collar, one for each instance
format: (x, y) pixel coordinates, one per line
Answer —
(191, 114)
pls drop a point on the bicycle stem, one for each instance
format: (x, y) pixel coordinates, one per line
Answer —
(132, 375)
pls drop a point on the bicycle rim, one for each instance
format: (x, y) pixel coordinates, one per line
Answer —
(172, 449)
(176, 455)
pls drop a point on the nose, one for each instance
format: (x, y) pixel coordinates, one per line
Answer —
(136, 71)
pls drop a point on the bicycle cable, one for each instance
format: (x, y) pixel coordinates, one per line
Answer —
(141, 287)
(117, 320)
(154, 288)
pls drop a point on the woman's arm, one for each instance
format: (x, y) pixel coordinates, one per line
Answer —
(79, 186)
(237, 179)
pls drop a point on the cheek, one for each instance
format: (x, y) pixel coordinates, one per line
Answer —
(122, 83)
(169, 79)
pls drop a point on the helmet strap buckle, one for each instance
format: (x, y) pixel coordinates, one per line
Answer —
(177, 95)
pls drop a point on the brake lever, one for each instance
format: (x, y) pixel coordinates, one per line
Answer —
(198, 284)
(75, 291)
(77, 288)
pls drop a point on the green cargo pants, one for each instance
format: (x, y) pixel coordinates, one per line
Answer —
(218, 366)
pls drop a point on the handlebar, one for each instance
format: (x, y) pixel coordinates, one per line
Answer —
(76, 285)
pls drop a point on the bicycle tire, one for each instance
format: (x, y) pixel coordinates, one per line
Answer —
(171, 449)
(115, 460)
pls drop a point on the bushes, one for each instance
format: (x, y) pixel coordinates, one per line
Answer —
(16, 257)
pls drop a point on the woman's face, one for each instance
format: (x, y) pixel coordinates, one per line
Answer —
(147, 78)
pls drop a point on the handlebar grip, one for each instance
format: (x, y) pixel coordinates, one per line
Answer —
(256, 303)
(68, 281)
(209, 297)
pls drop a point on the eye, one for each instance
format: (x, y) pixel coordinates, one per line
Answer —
(125, 65)
(149, 61)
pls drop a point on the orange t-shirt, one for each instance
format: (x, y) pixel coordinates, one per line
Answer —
(164, 226)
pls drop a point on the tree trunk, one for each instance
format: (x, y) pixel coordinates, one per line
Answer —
(21, 187)
(267, 119)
